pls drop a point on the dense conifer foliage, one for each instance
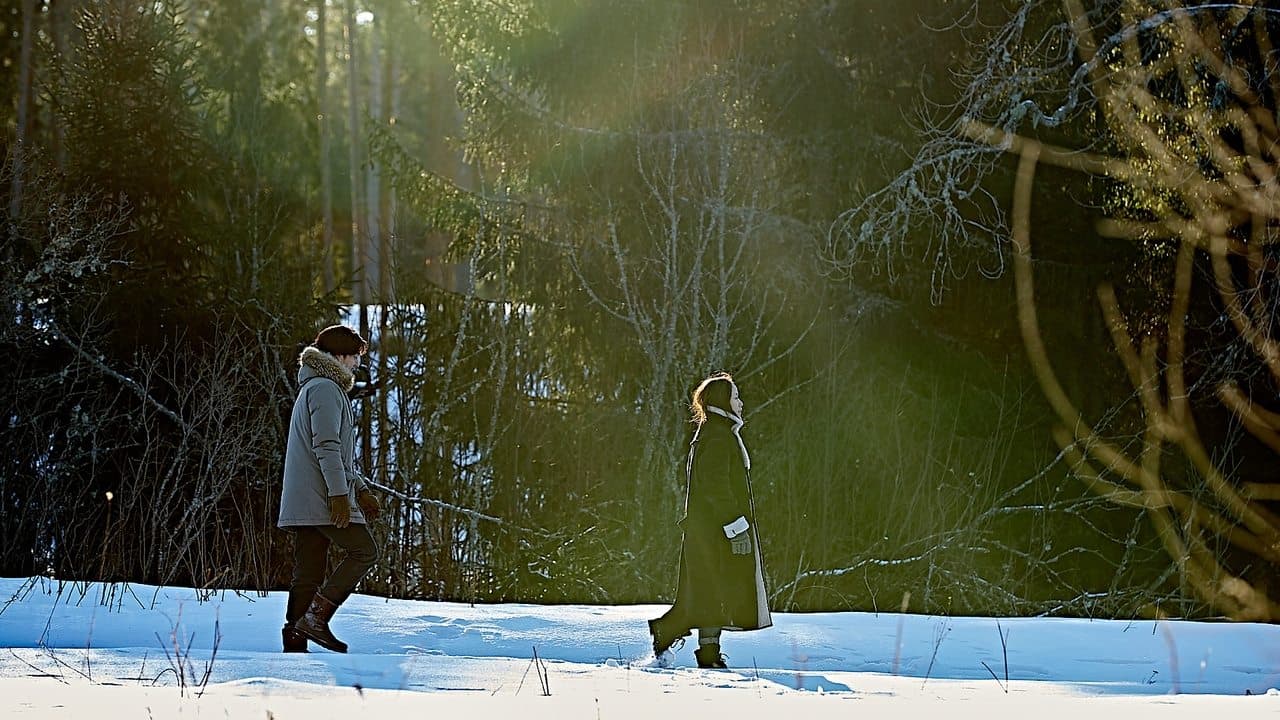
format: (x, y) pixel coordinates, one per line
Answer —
(553, 218)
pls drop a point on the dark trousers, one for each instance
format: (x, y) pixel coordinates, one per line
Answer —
(311, 555)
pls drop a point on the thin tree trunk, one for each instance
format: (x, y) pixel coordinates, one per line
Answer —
(388, 255)
(386, 287)
(353, 123)
(326, 172)
(371, 278)
(360, 286)
(25, 74)
(372, 256)
(61, 21)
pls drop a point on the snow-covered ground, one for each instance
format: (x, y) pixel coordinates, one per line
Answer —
(114, 652)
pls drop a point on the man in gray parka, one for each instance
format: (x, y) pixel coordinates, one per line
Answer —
(325, 500)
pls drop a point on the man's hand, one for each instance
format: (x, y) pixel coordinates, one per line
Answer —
(340, 511)
(740, 544)
(368, 503)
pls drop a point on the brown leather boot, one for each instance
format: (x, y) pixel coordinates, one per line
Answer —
(293, 641)
(315, 624)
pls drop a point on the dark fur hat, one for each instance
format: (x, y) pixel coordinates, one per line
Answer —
(340, 340)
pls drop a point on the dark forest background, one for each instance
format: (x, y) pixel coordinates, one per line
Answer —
(554, 217)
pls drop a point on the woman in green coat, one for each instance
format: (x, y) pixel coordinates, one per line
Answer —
(721, 583)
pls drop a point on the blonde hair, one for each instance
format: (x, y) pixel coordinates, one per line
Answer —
(707, 387)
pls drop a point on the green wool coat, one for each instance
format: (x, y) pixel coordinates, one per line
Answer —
(717, 588)
(319, 460)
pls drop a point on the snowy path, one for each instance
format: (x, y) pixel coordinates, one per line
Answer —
(70, 652)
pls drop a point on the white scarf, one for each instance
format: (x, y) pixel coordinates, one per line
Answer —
(736, 423)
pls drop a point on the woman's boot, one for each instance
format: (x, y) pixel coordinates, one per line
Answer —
(315, 624)
(709, 656)
(662, 639)
(293, 641)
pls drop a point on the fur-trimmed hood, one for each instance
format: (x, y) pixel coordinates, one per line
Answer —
(325, 365)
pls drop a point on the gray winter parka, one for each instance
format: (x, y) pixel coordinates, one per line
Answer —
(319, 460)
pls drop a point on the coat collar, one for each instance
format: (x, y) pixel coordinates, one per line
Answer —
(327, 366)
(737, 421)
(735, 424)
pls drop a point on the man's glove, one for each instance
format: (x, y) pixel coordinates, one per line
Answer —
(364, 385)
(740, 544)
(368, 503)
(340, 511)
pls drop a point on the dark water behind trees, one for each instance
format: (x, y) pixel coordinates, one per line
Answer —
(564, 216)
